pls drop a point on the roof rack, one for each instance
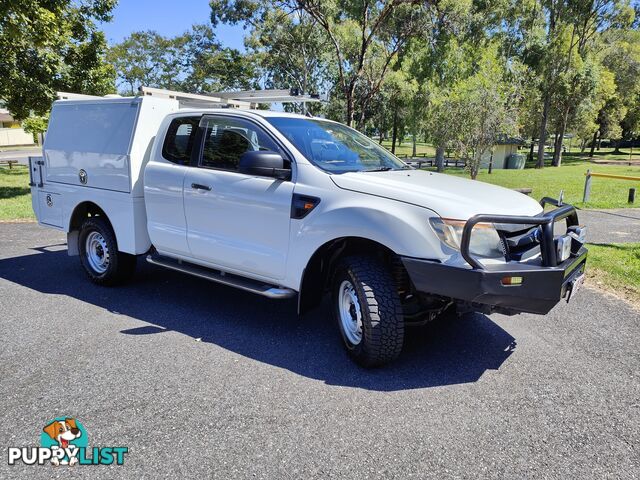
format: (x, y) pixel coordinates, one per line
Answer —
(270, 96)
(79, 96)
(193, 99)
(238, 99)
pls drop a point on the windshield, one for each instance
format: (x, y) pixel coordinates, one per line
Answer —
(334, 147)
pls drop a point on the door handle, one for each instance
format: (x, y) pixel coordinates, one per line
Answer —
(198, 186)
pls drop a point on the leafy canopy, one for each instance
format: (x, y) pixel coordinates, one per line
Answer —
(52, 46)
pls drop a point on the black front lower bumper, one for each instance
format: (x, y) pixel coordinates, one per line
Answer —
(541, 289)
(545, 281)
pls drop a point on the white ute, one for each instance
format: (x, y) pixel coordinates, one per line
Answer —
(285, 205)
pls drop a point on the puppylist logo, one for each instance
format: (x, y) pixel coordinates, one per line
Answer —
(64, 441)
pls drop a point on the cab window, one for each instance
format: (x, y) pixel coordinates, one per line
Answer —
(178, 142)
(226, 139)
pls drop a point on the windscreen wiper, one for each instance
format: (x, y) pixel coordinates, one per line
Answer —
(381, 169)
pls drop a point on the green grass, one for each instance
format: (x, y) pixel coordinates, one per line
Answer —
(15, 194)
(547, 182)
(616, 267)
(603, 154)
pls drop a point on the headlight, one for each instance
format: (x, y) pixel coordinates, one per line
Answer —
(485, 241)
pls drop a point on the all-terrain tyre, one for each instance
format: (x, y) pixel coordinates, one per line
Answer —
(368, 311)
(99, 254)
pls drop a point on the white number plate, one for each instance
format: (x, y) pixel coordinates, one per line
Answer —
(577, 284)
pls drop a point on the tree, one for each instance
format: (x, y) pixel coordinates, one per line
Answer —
(147, 58)
(441, 121)
(574, 87)
(399, 93)
(621, 55)
(440, 59)
(209, 67)
(193, 61)
(480, 108)
(36, 126)
(292, 53)
(596, 113)
(52, 46)
(571, 29)
(355, 31)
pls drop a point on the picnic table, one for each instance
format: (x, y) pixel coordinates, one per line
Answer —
(11, 163)
(431, 162)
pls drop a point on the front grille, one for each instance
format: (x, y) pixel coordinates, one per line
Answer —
(521, 243)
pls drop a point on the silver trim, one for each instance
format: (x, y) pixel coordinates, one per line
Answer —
(246, 284)
(97, 252)
(350, 313)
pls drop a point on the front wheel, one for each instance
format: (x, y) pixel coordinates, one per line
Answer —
(368, 311)
(99, 254)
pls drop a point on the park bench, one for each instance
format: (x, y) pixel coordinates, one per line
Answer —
(430, 162)
(11, 163)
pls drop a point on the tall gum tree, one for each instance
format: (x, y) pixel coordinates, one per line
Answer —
(354, 29)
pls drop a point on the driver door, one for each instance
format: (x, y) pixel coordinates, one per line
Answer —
(235, 221)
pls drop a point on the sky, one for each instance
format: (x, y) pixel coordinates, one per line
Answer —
(168, 18)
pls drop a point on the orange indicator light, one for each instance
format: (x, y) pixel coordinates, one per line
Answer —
(511, 281)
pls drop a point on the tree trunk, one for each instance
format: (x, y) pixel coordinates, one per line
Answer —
(362, 121)
(394, 133)
(593, 143)
(350, 108)
(531, 149)
(473, 170)
(415, 146)
(557, 150)
(542, 137)
(440, 159)
(617, 147)
(557, 147)
(557, 161)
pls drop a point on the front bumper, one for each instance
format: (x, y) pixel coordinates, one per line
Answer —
(544, 281)
(541, 289)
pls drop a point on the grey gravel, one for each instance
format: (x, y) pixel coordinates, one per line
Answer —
(200, 380)
(619, 225)
(21, 155)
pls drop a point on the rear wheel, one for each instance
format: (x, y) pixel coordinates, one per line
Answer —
(368, 311)
(99, 254)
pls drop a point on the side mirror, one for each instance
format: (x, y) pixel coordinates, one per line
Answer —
(265, 164)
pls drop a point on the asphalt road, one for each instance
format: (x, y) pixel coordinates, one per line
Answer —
(21, 154)
(200, 380)
(619, 225)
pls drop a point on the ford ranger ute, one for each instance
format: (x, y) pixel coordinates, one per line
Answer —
(284, 205)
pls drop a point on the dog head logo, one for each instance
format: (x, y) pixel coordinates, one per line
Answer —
(63, 431)
(65, 434)
(63, 441)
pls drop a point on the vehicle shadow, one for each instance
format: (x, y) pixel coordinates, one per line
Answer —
(448, 351)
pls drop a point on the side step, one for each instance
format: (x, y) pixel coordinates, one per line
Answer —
(253, 286)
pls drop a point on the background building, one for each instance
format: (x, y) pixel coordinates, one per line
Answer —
(11, 132)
